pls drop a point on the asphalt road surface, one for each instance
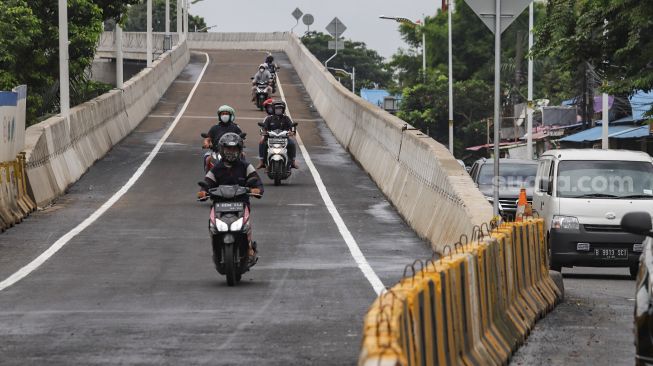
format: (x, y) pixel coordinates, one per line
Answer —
(593, 326)
(138, 285)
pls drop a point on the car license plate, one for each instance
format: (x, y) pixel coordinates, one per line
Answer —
(228, 206)
(602, 253)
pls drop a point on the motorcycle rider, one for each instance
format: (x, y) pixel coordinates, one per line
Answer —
(226, 123)
(278, 121)
(262, 76)
(272, 67)
(232, 170)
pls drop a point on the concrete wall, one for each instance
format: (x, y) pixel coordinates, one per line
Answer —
(419, 176)
(59, 150)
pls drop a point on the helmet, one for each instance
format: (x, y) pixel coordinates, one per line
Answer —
(228, 140)
(228, 109)
(267, 105)
(279, 104)
(269, 59)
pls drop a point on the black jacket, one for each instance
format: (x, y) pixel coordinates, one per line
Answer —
(273, 122)
(216, 132)
(240, 173)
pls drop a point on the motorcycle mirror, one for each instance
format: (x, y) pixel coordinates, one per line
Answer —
(261, 124)
(203, 184)
(294, 124)
(204, 134)
(252, 78)
(243, 135)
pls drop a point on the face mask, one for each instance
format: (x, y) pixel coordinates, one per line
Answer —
(225, 118)
(261, 70)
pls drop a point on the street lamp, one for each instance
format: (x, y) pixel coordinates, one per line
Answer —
(414, 25)
(351, 74)
(205, 28)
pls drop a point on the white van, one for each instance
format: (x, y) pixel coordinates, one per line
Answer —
(582, 194)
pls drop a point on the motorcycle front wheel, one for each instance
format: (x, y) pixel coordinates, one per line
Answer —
(230, 260)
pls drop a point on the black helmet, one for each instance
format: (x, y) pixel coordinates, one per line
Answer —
(230, 139)
(269, 59)
(279, 104)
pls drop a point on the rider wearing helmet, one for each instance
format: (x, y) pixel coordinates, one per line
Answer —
(226, 123)
(267, 105)
(272, 67)
(278, 121)
(262, 76)
(232, 170)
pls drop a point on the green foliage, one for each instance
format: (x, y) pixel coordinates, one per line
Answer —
(370, 68)
(136, 18)
(29, 49)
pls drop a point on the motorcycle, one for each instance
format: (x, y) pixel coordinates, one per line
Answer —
(230, 231)
(261, 94)
(212, 156)
(274, 82)
(277, 157)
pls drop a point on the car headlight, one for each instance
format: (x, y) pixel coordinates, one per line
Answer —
(237, 225)
(565, 223)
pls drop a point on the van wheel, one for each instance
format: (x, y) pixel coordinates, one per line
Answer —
(634, 269)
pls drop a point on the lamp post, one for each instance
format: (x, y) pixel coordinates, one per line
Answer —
(205, 28)
(64, 82)
(449, 11)
(179, 21)
(414, 25)
(149, 33)
(351, 74)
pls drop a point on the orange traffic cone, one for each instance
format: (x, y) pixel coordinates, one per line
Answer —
(521, 205)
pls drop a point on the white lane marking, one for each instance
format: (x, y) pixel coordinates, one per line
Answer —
(54, 248)
(354, 249)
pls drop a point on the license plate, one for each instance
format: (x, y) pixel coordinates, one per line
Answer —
(228, 206)
(611, 253)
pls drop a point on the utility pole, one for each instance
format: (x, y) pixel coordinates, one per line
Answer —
(119, 60)
(180, 34)
(186, 17)
(64, 81)
(149, 33)
(449, 10)
(167, 17)
(529, 105)
(497, 102)
(424, 47)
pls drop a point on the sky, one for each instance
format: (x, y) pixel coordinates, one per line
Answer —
(361, 17)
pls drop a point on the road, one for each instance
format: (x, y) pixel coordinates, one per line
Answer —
(138, 285)
(594, 325)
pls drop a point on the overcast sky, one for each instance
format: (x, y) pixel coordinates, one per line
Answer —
(360, 16)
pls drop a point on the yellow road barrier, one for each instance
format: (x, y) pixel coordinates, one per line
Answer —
(470, 305)
(15, 202)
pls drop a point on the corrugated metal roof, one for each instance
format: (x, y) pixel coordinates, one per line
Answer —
(618, 132)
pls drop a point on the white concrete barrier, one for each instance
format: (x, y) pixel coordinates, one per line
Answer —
(59, 150)
(419, 176)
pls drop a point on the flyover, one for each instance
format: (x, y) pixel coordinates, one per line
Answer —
(132, 280)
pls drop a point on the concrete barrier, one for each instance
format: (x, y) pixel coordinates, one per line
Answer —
(420, 177)
(58, 150)
(473, 306)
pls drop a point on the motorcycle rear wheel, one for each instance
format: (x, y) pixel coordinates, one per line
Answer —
(231, 270)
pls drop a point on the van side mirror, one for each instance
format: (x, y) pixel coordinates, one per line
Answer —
(637, 223)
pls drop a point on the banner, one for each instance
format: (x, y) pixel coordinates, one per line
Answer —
(12, 122)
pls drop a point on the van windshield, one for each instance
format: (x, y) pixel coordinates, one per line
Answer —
(511, 174)
(605, 179)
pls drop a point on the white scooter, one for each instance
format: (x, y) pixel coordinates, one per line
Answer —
(277, 157)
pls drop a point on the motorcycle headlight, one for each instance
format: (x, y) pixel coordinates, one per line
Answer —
(237, 225)
(277, 151)
(565, 223)
(221, 226)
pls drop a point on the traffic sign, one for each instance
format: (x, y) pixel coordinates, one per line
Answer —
(340, 45)
(336, 28)
(308, 19)
(510, 10)
(297, 14)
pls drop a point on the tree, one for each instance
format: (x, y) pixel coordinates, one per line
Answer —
(371, 71)
(599, 42)
(136, 18)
